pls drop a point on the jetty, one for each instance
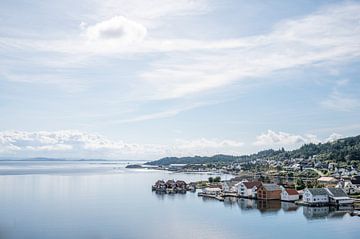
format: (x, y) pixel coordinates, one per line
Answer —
(215, 193)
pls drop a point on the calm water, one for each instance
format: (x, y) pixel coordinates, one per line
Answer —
(105, 200)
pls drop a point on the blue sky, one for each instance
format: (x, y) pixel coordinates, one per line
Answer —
(146, 79)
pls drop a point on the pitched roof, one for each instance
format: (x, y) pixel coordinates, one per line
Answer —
(336, 192)
(252, 184)
(271, 187)
(170, 182)
(327, 179)
(317, 191)
(291, 191)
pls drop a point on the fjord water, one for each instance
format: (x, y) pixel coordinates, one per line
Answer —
(105, 200)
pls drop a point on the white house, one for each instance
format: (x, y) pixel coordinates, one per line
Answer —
(289, 195)
(337, 196)
(229, 187)
(248, 189)
(348, 187)
(315, 196)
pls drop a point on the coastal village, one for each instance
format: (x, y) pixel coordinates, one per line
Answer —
(314, 176)
(333, 193)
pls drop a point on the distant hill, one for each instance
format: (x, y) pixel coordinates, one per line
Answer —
(194, 160)
(47, 159)
(346, 149)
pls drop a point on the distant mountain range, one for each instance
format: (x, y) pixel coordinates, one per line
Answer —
(47, 159)
(346, 149)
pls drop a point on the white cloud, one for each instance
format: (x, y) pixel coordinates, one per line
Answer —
(326, 36)
(198, 66)
(206, 147)
(272, 139)
(117, 29)
(333, 137)
(149, 11)
(76, 144)
(282, 139)
(165, 113)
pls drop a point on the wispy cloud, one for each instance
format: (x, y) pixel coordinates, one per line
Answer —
(329, 35)
(173, 111)
(340, 102)
(198, 66)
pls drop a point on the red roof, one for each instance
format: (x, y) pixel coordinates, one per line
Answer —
(252, 184)
(292, 191)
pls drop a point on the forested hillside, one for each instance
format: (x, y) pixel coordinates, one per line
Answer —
(346, 149)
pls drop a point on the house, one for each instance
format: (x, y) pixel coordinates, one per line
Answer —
(248, 189)
(327, 180)
(356, 181)
(337, 196)
(269, 191)
(170, 186)
(180, 185)
(191, 186)
(289, 195)
(348, 187)
(159, 186)
(315, 196)
(229, 186)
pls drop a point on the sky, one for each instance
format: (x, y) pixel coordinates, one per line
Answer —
(145, 79)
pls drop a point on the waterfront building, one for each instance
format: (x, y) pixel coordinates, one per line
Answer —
(248, 189)
(269, 191)
(160, 185)
(229, 186)
(337, 196)
(180, 185)
(315, 196)
(289, 195)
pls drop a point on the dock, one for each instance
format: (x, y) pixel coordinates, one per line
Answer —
(217, 197)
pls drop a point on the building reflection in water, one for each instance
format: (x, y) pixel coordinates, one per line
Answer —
(269, 206)
(312, 213)
(247, 204)
(272, 206)
(230, 201)
(289, 206)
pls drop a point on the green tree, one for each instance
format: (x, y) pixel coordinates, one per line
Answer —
(217, 179)
(299, 184)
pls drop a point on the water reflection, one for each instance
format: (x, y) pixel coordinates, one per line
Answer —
(289, 206)
(312, 213)
(269, 206)
(274, 207)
